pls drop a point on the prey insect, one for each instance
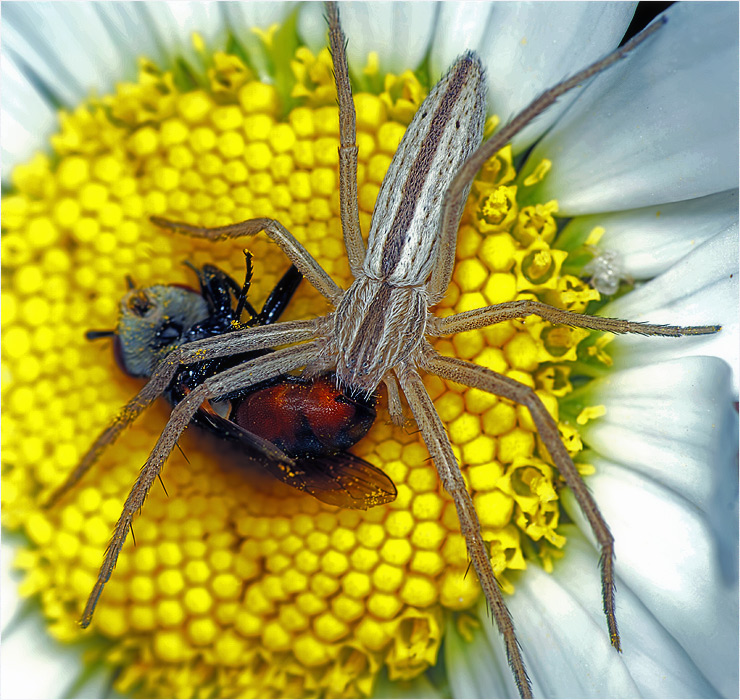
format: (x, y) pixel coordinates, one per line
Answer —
(379, 330)
(296, 428)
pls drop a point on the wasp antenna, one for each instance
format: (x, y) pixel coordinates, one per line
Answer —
(241, 302)
(130, 282)
(96, 335)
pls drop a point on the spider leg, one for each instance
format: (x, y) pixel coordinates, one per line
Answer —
(481, 378)
(350, 216)
(232, 343)
(440, 450)
(295, 250)
(234, 379)
(457, 192)
(489, 315)
(395, 407)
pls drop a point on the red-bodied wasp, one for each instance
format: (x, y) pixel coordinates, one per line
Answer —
(298, 429)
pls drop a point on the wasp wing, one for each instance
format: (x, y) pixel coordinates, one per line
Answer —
(341, 479)
(225, 428)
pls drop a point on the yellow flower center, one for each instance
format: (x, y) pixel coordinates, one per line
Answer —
(237, 584)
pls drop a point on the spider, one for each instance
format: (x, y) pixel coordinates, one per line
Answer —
(379, 330)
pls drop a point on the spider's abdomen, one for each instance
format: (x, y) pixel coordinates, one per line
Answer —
(376, 327)
(447, 128)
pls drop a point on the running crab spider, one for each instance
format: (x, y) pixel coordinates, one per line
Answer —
(377, 333)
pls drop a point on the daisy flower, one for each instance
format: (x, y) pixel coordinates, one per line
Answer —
(620, 200)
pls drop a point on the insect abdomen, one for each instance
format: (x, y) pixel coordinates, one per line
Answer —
(446, 129)
(306, 418)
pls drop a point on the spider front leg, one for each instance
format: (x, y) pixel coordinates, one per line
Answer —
(478, 377)
(395, 407)
(457, 192)
(348, 150)
(209, 348)
(440, 450)
(490, 315)
(234, 379)
(289, 244)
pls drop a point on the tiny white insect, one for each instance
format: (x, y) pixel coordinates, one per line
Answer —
(606, 271)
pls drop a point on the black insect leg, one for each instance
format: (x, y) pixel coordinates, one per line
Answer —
(280, 296)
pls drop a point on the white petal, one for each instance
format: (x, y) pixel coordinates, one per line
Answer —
(132, 31)
(666, 556)
(527, 48)
(399, 31)
(160, 30)
(569, 608)
(26, 118)
(564, 643)
(660, 433)
(688, 446)
(656, 662)
(33, 665)
(478, 668)
(650, 240)
(661, 126)
(72, 50)
(10, 600)
(257, 14)
(701, 289)
(65, 43)
(174, 24)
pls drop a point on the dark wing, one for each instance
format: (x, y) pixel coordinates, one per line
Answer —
(342, 479)
(206, 417)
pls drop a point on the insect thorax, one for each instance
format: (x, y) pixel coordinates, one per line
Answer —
(376, 326)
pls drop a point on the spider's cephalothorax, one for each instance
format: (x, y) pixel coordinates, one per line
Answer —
(380, 322)
(379, 330)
